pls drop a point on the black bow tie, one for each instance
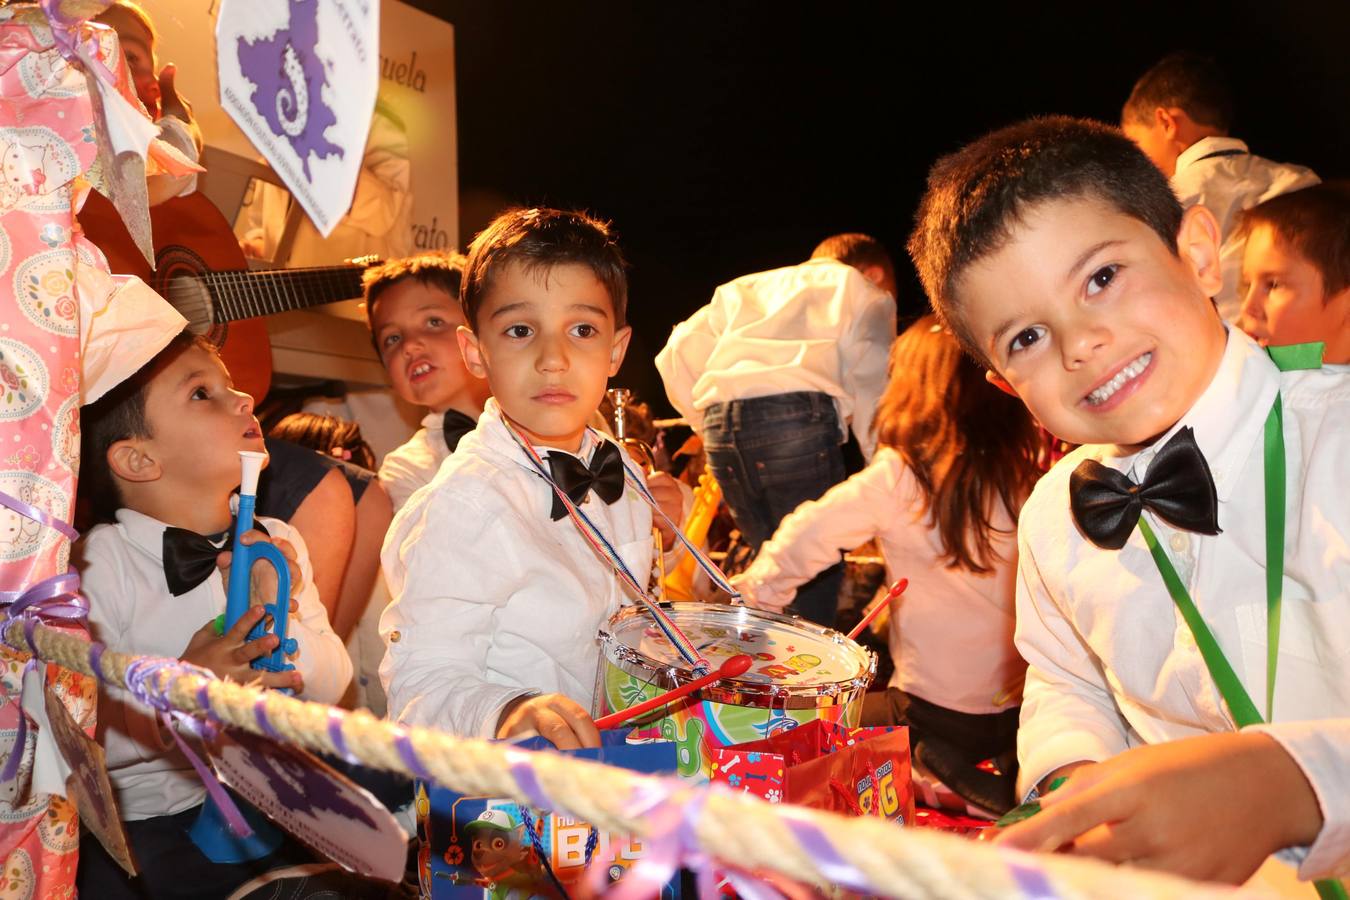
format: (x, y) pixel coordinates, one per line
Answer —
(454, 426)
(604, 475)
(1178, 488)
(190, 558)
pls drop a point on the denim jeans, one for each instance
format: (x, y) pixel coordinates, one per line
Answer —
(770, 455)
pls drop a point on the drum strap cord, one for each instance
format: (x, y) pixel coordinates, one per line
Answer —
(606, 551)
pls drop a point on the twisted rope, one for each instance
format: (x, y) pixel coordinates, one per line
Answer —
(743, 830)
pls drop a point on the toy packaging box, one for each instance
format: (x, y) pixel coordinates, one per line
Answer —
(495, 848)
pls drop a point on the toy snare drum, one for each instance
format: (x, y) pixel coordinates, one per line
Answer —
(801, 672)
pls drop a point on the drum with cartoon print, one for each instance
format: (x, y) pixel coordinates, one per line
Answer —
(801, 672)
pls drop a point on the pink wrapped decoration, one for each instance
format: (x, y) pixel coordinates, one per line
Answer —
(53, 284)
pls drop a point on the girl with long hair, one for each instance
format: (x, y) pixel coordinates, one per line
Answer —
(955, 459)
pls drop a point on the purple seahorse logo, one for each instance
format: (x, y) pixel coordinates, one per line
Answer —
(289, 77)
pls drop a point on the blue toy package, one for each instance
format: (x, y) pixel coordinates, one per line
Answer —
(494, 848)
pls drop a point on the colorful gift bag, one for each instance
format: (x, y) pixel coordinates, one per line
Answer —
(854, 771)
(485, 847)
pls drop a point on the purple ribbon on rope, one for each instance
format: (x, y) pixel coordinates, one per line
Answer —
(1030, 878)
(11, 767)
(144, 684)
(56, 597)
(672, 810)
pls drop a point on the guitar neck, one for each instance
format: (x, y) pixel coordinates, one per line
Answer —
(247, 295)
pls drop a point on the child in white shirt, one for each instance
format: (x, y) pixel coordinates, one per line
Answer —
(955, 459)
(498, 600)
(412, 307)
(774, 371)
(160, 463)
(1060, 256)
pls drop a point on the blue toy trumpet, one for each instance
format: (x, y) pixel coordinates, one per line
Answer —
(211, 833)
(241, 565)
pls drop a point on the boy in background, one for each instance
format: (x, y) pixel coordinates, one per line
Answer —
(1179, 113)
(412, 307)
(1296, 270)
(498, 595)
(1060, 257)
(773, 372)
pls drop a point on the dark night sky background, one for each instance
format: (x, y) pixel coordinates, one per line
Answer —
(727, 138)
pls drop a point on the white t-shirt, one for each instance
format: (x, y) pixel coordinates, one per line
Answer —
(819, 326)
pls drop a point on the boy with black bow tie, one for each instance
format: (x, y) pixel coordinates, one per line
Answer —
(499, 590)
(412, 308)
(1193, 550)
(160, 461)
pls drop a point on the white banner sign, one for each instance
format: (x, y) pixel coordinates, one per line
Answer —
(300, 79)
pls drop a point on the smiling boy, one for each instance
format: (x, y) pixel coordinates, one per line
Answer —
(1062, 260)
(498, 597)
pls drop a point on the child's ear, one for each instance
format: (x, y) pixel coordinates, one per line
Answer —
(471, 351)
(131, 461)
(999, 382)
(1167, 121)
(616, 353)
(1198, 243)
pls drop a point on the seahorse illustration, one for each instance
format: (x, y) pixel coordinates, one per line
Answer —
(293, 104)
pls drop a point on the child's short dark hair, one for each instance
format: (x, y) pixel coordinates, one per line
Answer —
(434, 270)
(1316, 223)
(857, 250)
(541, 239)
(977, 195)
(119, 415)
(1188, 81)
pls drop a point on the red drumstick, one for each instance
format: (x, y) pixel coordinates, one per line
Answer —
(736, 665)
(896, 590)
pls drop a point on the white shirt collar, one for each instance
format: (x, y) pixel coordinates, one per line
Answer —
(146, 532)
(1206, 146)
(1227, 418)
(433, 421)
(494, 434)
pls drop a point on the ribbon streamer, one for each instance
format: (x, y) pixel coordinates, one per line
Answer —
(29, 511)
(606, 550)
(145, 685)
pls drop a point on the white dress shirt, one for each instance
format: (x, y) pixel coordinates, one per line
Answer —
(414, 464)
(951, 632)
(819, 326)
(131, 611)
(1226, 185)
(492, 597)
(1112, 663)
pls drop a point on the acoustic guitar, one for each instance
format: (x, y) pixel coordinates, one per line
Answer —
(200, 269)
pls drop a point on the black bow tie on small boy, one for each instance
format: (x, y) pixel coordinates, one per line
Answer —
(190, 558)
(1178, 488)
(576, 479)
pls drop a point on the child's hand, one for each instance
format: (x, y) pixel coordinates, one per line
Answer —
(263, 583)
(229, 655)
(666, 491)
(171, 103)
(554, 717)
(759, 595)
(1210, 808)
